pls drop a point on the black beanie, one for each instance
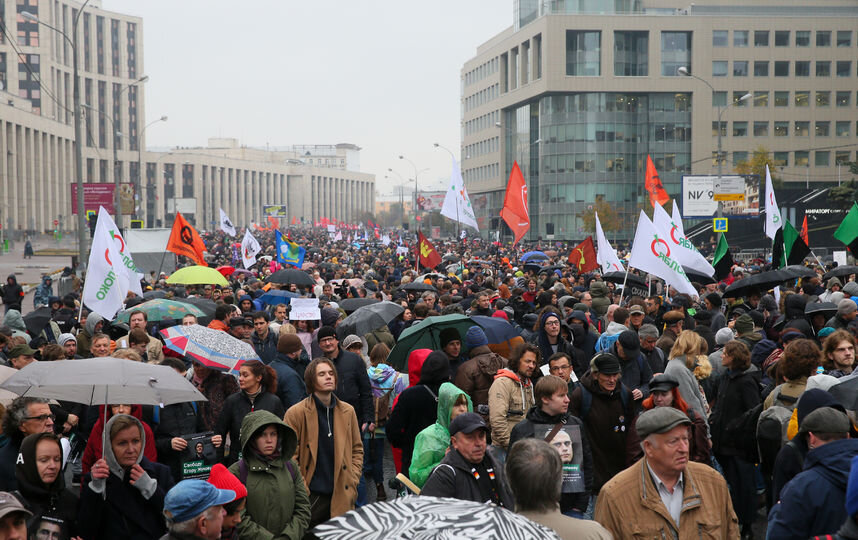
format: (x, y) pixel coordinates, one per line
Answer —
(436, 368)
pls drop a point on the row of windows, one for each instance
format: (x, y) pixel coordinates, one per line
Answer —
(801, 128)
(481, 122)
(482, 71)
(616, 132)
(781, 98)
(801, 158)
(481, 173)
(598, 162)
(482, 97)
(482, 148)
(842, 68)
(742, 38)
(631, 56)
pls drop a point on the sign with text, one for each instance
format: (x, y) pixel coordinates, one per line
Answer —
(274, 210)
(95, 195)
(699, 191)
(304, 309)
(199, 456)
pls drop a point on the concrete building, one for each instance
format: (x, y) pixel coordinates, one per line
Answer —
(580, 91)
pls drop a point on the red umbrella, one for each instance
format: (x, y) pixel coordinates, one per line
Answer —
(225, 270)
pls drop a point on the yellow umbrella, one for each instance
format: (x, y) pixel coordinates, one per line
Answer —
(197, 275)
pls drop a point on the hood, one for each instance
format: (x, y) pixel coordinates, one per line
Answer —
(415, 364)
(381, 375)
(509, 374)
(834, 281)
(109, 457)
(833, 460)
(244, 297)
(598, 289)
(14, 280)
(91, 320)
(794, 306)
(489, 364)
(47, 281)
(14, 320)
(447, 396)
(614, 328)
(257, 420)
(581, 316)
(27, 474)
(436, 368)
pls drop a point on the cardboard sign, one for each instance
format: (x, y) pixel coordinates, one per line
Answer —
(304, 309)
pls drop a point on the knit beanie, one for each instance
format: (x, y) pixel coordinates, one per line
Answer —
(325, 332)
(714, 299)
(851, 288)
(846, 306)
(221, 478)
(723, 336)
(744, 325)
(65, 338)
(330, 316)
(448, 335)
(475, 337)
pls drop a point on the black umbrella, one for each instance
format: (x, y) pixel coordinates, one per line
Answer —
(450, 258)
(37, 320)
(551, 268)
(695, 276)
(829, 309)
(290, 276)
(841, 271)
(352, 304)
(158, 293)
(619, 277)
(480, 253)
(368, 318)
(325, 266)
(206, 305)
(762, 281)
(795, 271)
(418, 286)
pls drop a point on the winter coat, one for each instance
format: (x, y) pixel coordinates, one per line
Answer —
(278, 505)
(216, 387)
(15, 322)
(12, 293)
(384, 380)
(43, 292)
(608, 427)
(66, 319)
(540, 339)
(154, 349)
(666, 341)
(84, 338)
(348, 448)
(93, 450)
(126, 512)
(688, 386)
(265, 348)
(630, 506)
(610, 336)
(290, 386)
(526, 429)
(636, 373)
(431, 444)
(814, 502)
(353, 385)
(8, 455)
(379, 335)
(235, 408)
(788, 464)
(568, 528)
(175, 420)
(599, 292)
(453, 478)
(737, 394)
(509, 400)
(476, 375)
(588, 343)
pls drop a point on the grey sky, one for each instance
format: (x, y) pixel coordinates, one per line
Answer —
(380, 74)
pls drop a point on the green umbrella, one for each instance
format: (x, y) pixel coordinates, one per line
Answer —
(197, 275)
(426, 335)
(160, 309)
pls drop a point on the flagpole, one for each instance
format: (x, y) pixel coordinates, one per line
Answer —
(625, 278)
(649, 284)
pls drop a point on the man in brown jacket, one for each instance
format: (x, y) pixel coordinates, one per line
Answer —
(475, 376)
(330, 451)
(664, 495)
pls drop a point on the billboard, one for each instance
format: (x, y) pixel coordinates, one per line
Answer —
(698, 197)
(430, 201)
(95, 195)
(274, 210)
(185, 206)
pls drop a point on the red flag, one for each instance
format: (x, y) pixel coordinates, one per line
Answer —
(803, 232)
(583, 256)
(294, 220)
(653, 185)
(275, 223)
(369, 222)
(324, 222)
(428, 254)
(514, 211)
(185, 240)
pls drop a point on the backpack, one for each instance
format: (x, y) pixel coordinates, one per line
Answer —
(587, 400)
(771, 432)
(382, 406)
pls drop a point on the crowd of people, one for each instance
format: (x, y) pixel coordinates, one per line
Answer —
(605, 414)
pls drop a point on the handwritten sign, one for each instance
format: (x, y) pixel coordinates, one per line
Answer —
(304, 309)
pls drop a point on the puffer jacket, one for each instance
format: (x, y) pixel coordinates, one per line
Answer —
(43, 292)
(278, 505)
(509, 400)
(431, 444)
(599, 292)
(477, 374)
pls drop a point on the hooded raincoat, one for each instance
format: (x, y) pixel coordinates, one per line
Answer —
(15, 322)
(84, 339)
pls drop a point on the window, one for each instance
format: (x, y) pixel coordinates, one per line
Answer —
(821, 158)
(719, 38)
(823, 38)
(841, 157)
(844, 68)
(761, 98)
(780, 159)
(823, 68)
(802, 68)
(802, 98)
(761, 68)
(675, 52)
(822, 129)
(583, 53)
(719, 99)
(823, 98)
(842, 98)
(761, 38)
(740, 129)
(782, 99)
(761, 129)
(719, 68)
(737, 98)
(715, 129)
(631, 54)
(844, 38)
(740, 68)
(740, 38)
(781, 38)
(781, 129)
(802, 38)
(739, 157)
(781, 68)
(802, 158)
(802, 129)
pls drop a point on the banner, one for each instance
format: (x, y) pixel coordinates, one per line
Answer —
(514, 211)
(304, 309)
(96, 195)
(186, 241)
(684, 251)
(773, 213)
(289, 252)
(249, 248)
(107, 280)
(198, 456)
(275, 210)
(657, 194)
(457, 204)
(226, 225)
(651, 253)
(605, 255)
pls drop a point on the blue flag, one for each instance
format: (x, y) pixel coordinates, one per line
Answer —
(289, 252)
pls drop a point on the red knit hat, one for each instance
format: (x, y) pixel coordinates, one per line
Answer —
(221, 478)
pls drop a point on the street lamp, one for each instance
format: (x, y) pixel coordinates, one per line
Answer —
(416, 207)
(682, 70)
(138, 189)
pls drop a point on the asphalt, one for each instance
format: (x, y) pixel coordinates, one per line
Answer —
(29, 271)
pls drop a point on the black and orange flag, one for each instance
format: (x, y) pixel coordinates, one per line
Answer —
(185, 240)
(427, 254)
(583, 256)
(653, 185)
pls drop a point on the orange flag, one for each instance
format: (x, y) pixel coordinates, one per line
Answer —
(803, 232)
(514, 211)
(583, 256)
(653, 185)
(275, 223)
(429, 256)
(185, 240)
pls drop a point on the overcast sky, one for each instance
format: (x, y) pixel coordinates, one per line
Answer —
(380, 74)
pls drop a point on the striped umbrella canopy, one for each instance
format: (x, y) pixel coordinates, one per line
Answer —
(212, 348)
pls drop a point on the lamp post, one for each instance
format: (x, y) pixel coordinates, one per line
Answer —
(416, 206)
(682, 70)
(138, 189)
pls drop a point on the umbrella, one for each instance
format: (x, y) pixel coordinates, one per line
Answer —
(266, 258)
(308, 266)
(291, 276)
(212, 348)
(795, 271)
(450, 258)
(350, 305)
(158, 293)
(426, 334)
(368, 318)
(326, 266)
(534, 256)
(37, 320)
(430, 275)
(225, 270)
(420, 516)
(242, 271)
(841, 271)
(479, 261)
(6, 396)
(418, 286)
(160, 309)
(197, 275)
(694, 275)
(272, 298)
(497, 330)
(480, 253)
(618, 277)
(829, 309)
(102, 381)
(765, 280)
(206, 305)
(548, 269)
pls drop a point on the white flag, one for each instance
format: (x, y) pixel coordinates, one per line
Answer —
(225, 224)
(605, 254)
(249, 248)
(773, 214)
(338, 236)
(651, 253)
(684, 251)
(457, 204)
(385, 239)
(107, 277)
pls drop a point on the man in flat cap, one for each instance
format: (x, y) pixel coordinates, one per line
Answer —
(673, 323)
(664, 495)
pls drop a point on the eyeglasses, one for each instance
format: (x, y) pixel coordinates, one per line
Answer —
(552, 323)
(41, 417)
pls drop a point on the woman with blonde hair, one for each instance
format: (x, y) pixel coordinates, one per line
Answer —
(681, 361)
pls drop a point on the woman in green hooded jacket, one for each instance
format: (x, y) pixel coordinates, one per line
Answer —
(431, 444)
